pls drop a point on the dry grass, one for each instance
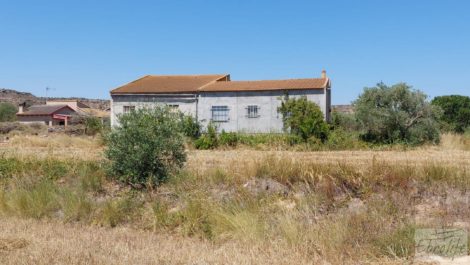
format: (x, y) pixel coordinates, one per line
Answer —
(455, 142)
(56, 243)
(339, 207)
(59, 145)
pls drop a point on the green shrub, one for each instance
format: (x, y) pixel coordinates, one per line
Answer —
(303, 118)
(147, 147)
(93, 125)
(7, 112)
(340, 139)
(191, 127)
(345, 121)
(396, 114)
(228, 139)
(209, 139)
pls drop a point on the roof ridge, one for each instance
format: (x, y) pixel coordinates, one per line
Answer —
(191, 75)
(289, 79)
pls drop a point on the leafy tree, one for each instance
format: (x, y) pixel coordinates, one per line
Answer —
(456, 112)
(7, 112)
(303, 118)
(191, 127)
(147, 146)
(396, 114)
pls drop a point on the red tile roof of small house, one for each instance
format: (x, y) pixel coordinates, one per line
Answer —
(43, 110)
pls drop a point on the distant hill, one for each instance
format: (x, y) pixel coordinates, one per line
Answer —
(343, 108)
(16, 97)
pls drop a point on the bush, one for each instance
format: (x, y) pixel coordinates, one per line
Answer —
(209, 139)
(340, 139)
(456, 112)
(303, 118)
(228, 139)
(7, 112)
(191, 127)
(147, 146)
(93, 125)
(345, 121)
(396, 114)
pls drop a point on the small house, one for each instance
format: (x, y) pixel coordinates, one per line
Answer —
(48, 114)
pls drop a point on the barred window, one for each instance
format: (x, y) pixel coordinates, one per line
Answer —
(219, 113)
(252, 111)
(174, 107)
(128, 109)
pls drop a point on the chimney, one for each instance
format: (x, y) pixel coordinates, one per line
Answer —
(323, 74)
(21, 108)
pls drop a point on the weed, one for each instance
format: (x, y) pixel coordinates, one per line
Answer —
(117, 211)
(35, 200)
(75, 206)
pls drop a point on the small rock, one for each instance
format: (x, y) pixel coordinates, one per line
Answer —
(257, 186)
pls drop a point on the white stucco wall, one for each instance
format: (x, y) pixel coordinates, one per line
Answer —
(186, 103)
(269, 119)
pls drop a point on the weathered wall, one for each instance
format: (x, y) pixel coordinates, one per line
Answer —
(31, 119)
(269, 119)
(186, 103)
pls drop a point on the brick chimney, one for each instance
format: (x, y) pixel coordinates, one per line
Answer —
(323, 74)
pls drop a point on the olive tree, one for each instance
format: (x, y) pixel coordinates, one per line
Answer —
(396, 114)
(146, 147)
(303, 118)
(456, 112)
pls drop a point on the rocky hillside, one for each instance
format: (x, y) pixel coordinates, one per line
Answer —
(343, 108)
(16, 97)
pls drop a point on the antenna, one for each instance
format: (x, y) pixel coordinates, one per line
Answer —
(47, 90)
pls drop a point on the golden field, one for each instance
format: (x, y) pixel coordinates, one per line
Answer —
(235, 206)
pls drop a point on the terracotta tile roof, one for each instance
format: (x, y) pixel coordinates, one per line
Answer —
(36, 110)
(307, 83)
(151, 84)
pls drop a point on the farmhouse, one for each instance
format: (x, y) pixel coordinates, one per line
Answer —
(235, 106)
(48, 114)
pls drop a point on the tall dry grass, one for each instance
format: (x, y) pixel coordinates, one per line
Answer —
(342, 207)
(451, 141)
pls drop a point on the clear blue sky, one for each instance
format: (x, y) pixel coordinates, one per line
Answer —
(85, 48)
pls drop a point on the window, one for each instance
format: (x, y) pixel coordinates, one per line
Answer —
(173, 108)
(128, 109)
(252, 111)
(219, 113)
